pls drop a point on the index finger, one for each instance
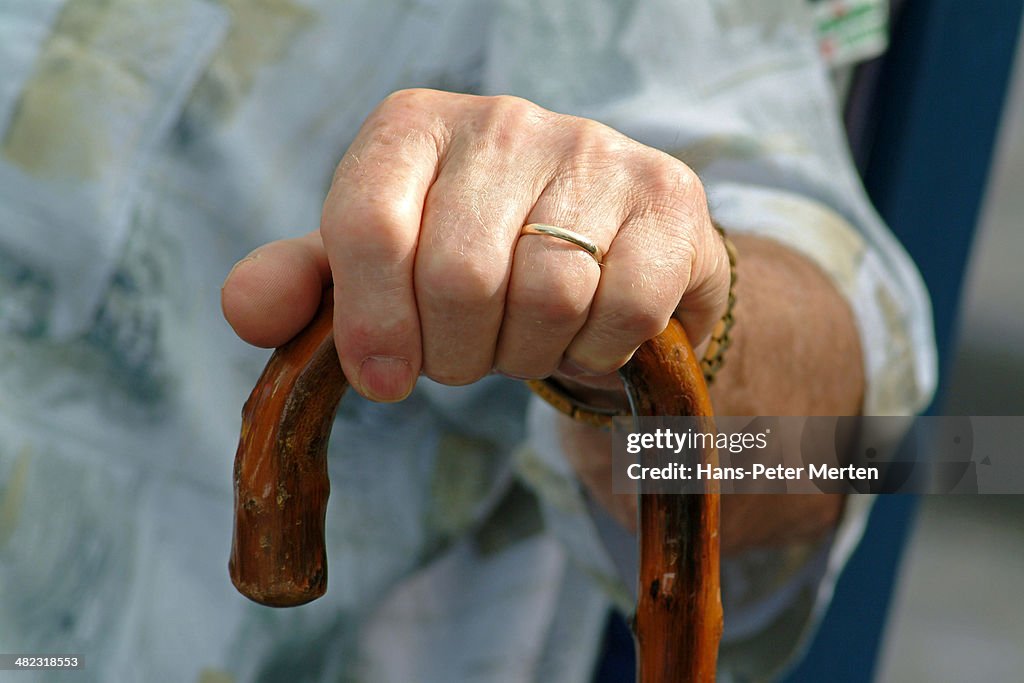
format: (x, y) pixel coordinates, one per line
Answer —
(370, 228)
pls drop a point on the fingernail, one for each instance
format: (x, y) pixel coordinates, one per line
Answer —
(570, 369)
(252, 256)
(385, 378)
(510, 375)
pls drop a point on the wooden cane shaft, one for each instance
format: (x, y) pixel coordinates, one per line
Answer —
(678, 621)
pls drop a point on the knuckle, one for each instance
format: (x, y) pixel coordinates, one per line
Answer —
(405, 134)
(508, 119)
(670, 198)
(593, 137)
(450, 280)
(634, 323)
(549, 302)
(405, 97)
(400, 107)
(595, 130)
(594, 147)
(405, 119)
(359, 333)
(514, 110)
(374, 228)
(668, 185)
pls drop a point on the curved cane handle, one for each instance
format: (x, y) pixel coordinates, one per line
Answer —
(278, 552)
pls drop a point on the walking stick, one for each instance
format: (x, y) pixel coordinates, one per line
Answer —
(678, 619)
(278, 551)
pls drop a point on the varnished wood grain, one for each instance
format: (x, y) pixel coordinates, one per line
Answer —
(278, 554)
(678, 621)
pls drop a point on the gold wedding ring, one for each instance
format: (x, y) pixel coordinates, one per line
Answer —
(584, 243)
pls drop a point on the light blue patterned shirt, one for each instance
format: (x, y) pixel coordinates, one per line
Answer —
(146, 146)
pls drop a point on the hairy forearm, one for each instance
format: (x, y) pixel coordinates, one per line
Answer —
(795, 351)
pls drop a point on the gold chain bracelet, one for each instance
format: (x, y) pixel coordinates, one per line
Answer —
(714, 355)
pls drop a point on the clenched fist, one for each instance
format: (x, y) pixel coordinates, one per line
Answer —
(421, 235)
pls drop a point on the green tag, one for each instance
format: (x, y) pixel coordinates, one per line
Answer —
(851, 30)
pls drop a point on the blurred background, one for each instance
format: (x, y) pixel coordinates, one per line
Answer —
(958, 613)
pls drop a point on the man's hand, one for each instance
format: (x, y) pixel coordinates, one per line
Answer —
(421, 236)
